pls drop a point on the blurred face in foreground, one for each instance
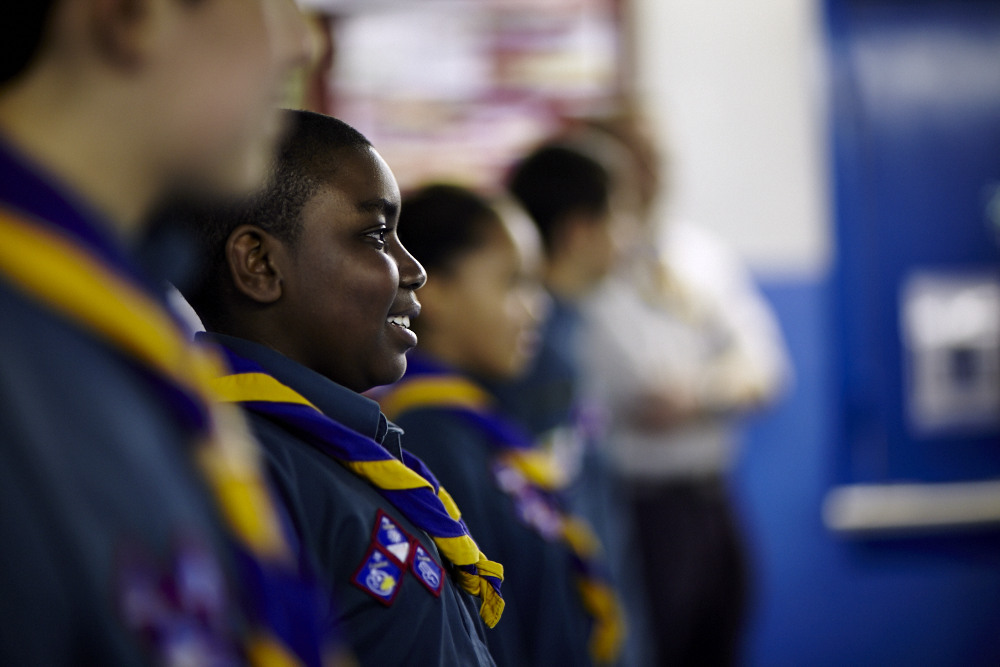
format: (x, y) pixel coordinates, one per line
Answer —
(132, 101)
(221, 82)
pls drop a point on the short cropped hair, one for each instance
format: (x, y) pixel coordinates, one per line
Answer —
(440, 223)
(25, 22)
(556, 181)
(307, 158)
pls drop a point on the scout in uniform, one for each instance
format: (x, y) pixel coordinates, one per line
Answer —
(482, 304)
(581, 207)
(135, 521)
(311, 293)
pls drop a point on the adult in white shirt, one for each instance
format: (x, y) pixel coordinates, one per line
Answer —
(678, 345)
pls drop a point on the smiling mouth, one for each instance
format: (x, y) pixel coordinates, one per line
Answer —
(402, 321)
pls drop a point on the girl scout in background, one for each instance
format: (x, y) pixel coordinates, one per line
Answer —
(479, 321)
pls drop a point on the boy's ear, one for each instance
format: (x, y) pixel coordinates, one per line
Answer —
(253, 258)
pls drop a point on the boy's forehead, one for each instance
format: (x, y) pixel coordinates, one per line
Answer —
(361, 176)
(346, 201)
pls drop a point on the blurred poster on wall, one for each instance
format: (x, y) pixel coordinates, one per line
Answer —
(951, 336)
(457, 89)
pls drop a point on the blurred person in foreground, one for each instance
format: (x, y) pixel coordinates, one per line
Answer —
(680, 345)
(481, 310)
(312, 296)
(136, 525)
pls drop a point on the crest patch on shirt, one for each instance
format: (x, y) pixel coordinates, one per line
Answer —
(428, 572)
(178, 606)
(391, 537)
(379, 576)
(531, 508)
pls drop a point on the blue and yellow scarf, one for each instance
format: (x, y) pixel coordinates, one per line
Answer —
(82, 282)
(532, 477)
(407, 484)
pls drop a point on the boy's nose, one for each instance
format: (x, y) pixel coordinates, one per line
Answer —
(411, 272)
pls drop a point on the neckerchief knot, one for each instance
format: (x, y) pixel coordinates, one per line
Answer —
(407, 484)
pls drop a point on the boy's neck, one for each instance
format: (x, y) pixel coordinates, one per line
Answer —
(88, 147)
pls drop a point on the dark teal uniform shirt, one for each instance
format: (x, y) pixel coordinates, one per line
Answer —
(341, 519)
(111, 551)
(544, 623)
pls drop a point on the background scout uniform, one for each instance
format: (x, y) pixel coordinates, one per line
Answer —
(395, 594)
(545, 622)
(546, 401)
(111, 466)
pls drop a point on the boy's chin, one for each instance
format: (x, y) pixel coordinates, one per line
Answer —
(391, 373)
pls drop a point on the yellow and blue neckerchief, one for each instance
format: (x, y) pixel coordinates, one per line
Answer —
(407, 484)
(532, 477)
(63, 263)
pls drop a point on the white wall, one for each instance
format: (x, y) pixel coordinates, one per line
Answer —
(735, 90)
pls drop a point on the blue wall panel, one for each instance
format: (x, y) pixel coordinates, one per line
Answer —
(822, 599)
(916, 150)
(915, 153)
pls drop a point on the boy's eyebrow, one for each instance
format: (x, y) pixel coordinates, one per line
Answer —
(379, 205)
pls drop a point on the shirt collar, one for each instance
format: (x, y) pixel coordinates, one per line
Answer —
(337, 402)
(26, 188)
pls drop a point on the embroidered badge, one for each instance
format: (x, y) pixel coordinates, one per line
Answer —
(428, 572)
(391, 537)
(179, 606)
(532, 509)
(379, 576)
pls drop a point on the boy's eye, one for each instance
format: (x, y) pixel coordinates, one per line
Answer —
(377, 235)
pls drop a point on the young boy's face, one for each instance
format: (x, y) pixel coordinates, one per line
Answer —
(348, 289)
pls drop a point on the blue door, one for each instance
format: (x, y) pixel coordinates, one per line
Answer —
(916, 137)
